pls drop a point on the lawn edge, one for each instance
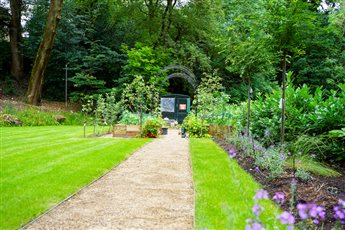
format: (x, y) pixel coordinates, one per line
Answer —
(32, 221)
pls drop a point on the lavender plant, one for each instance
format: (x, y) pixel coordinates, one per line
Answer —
(339, 213)
(271, 159)
(255, 223)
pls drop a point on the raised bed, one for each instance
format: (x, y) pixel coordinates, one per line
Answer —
(121, 130)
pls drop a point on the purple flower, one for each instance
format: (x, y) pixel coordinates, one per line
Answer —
(311, 210)
(339, 211)
(279, 198)
(302, 211)
(232, 152)
(267, 133)
(254, 225)
(257, 169)
(313, 156)
(282, 157)
(261, 194)
(257, 209)
(286, 218)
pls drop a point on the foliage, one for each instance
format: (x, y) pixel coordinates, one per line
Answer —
(146, 62)
(308, 146)
(303, 175)
(210, 99)
(140, 97)
(43, 153)
(195, 126)
(223, 190)
(337, 133)
(310, 164)
(152, 126)
(306, 113)
(83, 84)
(128, 118)
(33, 116)
(271, 159)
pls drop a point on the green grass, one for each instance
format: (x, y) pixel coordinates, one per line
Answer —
(40, 166)
(311, 165)
(35, 117)
(224, 191)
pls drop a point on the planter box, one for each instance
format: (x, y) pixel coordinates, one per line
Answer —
(126, 130)
(164, 131)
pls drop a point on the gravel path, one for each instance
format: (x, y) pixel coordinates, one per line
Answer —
(152, 189)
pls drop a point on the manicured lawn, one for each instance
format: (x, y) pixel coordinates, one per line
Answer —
(41, 166)
(224, 191)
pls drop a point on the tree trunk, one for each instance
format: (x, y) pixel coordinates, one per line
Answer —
(166, 20)
(43, 53)
(15, 33)
(152, 7)
(282, 131)
(248, 112)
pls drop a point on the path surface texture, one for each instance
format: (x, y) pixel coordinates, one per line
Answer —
(152, 189)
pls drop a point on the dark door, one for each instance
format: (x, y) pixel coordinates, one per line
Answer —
(182, 109)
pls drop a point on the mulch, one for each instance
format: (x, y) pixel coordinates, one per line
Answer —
(325, 191)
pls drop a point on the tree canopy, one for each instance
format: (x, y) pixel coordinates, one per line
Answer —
(109, 42)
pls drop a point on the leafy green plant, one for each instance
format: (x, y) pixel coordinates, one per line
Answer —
(302, 174)
(83, 84)
(141, 98)
(271, 159)
(306, 114)
(211, 101)
(195, 126)
(337, 133)
(152, 126)
(128, 118)
(147, 62)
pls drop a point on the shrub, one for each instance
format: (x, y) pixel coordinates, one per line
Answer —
(128, 118)
(306, 113)
(195, 126)
(151, 127)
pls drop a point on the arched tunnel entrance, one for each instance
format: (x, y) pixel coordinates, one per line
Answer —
(177, 103)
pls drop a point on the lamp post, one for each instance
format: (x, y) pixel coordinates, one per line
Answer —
(66, 73)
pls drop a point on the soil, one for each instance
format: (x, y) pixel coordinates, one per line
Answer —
(325, 191)
(152, 189)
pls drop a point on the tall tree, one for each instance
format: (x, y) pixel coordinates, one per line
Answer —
(248, 45)
(37, 75)
(15, 33)
(291, 24)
